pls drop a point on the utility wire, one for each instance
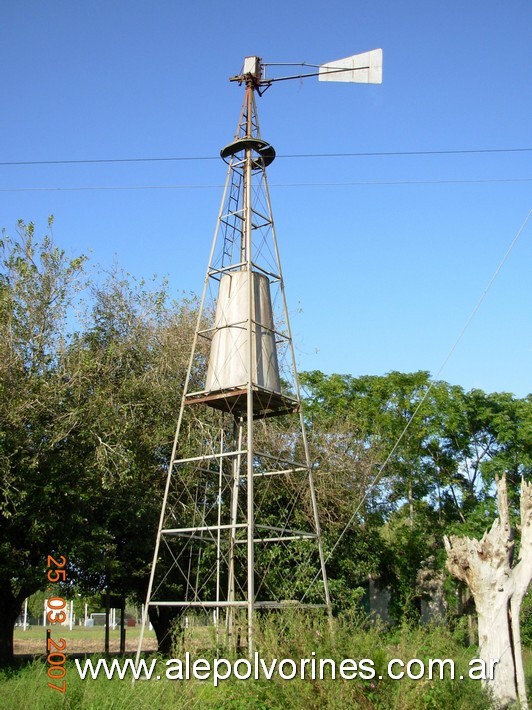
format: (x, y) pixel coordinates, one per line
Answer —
(286, 184)
(287, 155)
(379, 473)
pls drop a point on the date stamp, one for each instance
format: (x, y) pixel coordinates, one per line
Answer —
(56, 650)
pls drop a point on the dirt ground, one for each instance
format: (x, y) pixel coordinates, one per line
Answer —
(78, 640)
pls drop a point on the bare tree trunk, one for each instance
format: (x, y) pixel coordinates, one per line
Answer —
(498, 590)
(522, 575)
(10, 607)
(162, 618)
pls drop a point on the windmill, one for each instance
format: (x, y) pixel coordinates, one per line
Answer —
(239, 529)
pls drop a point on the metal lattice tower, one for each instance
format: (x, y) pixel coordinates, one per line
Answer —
(239, 529)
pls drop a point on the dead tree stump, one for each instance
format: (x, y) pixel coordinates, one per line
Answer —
(498, 588)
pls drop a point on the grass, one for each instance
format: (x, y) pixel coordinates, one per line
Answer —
(277, 638)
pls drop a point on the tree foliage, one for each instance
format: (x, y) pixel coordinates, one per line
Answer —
(38, 474)
(87, 417)
(408, 459)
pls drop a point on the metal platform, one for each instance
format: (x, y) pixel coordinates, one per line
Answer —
(234, 401)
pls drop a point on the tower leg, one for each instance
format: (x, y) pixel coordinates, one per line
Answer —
(237, 436)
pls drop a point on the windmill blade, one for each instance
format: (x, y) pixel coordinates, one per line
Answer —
(365, 68)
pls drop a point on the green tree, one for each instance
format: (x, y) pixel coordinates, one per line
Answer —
(39, 476)
(411, 460)
(132, 358)
(87, 420)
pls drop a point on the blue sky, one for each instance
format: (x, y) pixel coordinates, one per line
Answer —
(384, 257)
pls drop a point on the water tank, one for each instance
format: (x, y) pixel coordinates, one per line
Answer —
(228, 361)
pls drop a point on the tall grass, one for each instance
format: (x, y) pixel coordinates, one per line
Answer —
(278, 637)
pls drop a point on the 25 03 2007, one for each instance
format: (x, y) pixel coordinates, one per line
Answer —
(56, 656)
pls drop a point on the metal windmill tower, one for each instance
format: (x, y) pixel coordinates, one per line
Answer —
(239, 529)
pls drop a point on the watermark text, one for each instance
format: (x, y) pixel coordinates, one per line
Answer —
(218, 670)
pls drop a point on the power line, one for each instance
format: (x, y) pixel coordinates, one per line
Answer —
(369, 183)
(407, 152)
(465, 327)
(287, 155)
